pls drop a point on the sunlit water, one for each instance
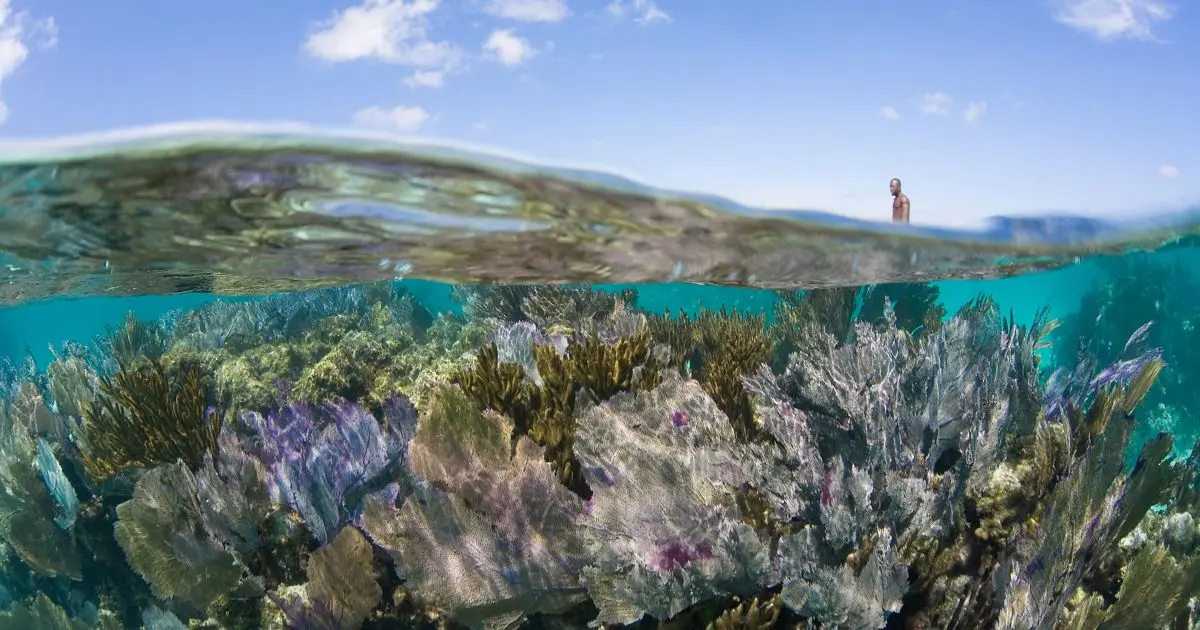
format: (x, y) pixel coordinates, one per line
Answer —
(278, 381)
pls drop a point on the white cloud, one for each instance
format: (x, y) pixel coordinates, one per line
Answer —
(975, 111)
(393, 31)
(400, 117)
(1115, 19)
(642, 11)
(1168, 171)
(935, 104)
(529, 10)
(426, 78)
(17, 31)
(510, 50)
(889, 113)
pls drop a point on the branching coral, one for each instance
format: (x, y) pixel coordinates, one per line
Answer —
(732, 346)
(146, 415)
(677, 334)
(754, 614)
(585, 368)
(499, 386)
(890, 436)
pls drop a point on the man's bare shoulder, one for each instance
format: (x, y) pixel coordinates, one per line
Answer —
(902, 198)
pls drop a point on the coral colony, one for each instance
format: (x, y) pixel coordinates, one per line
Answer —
(558, 458)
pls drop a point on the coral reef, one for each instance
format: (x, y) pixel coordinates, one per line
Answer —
(557, 458)
(731, 346)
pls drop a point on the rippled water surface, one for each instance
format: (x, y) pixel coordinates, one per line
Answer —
(144, 213)
(261, 380)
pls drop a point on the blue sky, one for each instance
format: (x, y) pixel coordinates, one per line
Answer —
(982, 108)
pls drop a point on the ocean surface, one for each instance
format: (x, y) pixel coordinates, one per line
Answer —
(256, 378)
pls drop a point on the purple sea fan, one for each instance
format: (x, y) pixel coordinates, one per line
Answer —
(288, 429)
(323, 473)
(1123, 372)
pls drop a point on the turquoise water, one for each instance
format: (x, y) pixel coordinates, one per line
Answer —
(270, 381)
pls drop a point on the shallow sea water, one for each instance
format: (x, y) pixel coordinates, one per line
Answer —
(268, 380)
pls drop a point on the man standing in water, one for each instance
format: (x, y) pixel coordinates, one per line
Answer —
(899, 202)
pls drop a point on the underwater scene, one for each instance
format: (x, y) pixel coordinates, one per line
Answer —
(268, 381)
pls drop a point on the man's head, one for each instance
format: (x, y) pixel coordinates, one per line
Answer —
(894, 186)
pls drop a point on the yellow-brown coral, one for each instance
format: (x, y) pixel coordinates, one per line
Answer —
(145, 415)
(733, 345)
(755, 614)
(547, 413)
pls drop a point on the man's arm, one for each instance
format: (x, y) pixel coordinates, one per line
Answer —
(904, 208)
